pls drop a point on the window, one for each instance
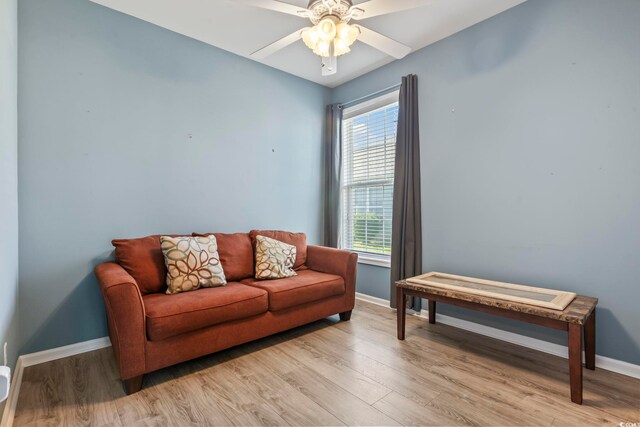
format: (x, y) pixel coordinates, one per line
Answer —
(368, 157)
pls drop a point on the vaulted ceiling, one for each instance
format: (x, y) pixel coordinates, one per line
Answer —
(243, 29)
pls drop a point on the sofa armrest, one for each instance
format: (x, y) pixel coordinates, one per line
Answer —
(126, 318)
(335, 261)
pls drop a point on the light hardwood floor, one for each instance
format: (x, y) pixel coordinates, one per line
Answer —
(336, 373)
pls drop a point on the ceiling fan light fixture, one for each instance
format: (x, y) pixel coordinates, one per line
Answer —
(323, 48)
(310, 37)
(342, 30)
(340, 47)
(320, 38)
(348, 33)
(326, 28)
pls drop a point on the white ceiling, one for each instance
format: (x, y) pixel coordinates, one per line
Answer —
(243, 29)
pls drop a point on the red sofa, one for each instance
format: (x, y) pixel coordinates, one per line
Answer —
(150, 330)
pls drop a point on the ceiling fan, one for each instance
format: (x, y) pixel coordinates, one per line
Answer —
(331, 35)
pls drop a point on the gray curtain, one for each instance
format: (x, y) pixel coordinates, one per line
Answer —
(333, 156)
(406, 240)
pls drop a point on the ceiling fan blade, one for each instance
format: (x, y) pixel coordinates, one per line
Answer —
(277, 6)
(277, 45)
(383, 43)
(371, 8)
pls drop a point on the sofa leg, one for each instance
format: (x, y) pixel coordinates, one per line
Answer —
(345, 316)
(133, 385)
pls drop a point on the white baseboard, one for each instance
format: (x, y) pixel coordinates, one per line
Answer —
(373, 300)
(62, 352)
(602, 362)
(31, 359)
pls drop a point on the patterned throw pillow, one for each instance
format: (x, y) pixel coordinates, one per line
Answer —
(192, 262)
(274, 259)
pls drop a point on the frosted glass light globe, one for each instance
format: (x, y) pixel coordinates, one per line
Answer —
(322, 48)
(327, 29)
(340, 47)
(310, 37)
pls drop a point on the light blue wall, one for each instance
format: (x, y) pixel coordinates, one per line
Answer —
(530, 126)
(373, 280)
(127, 129)
(8, 179)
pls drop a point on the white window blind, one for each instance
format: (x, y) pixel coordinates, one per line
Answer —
(368, 157)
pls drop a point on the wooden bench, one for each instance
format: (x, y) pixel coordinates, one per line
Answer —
(579, 315)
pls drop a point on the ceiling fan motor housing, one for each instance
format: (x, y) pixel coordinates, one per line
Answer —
(318, 9)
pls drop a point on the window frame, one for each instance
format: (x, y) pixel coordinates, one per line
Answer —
(381, 101)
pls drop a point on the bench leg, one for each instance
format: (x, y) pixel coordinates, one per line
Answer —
(432, 312)
(590, 341)
(401, 303)
(575, 362)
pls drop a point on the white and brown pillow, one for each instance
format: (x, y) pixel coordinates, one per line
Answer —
(274, 259)
(192, 262)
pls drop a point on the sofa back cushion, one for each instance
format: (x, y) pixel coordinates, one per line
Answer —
(143, 260)
(299, 240)
(236, 254)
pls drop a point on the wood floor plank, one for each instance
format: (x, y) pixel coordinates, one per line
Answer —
(473, 387)
(345, 406)
(410, 413)
(567, 411)
(295, 408)
(413, 386)
(527, 371)
(97, 407)
(476, 410)
(41, 401)
(175, 395)
(238, 401)
(333, 369)
(142, 408)
(332, 373)
(258, 415)
(523, 370)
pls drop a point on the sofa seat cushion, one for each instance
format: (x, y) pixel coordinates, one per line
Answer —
(171, 315)
(306, 287)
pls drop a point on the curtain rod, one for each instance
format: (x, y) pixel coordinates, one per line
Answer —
(371, 95)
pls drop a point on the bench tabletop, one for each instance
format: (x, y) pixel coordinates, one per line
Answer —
(576, 312)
